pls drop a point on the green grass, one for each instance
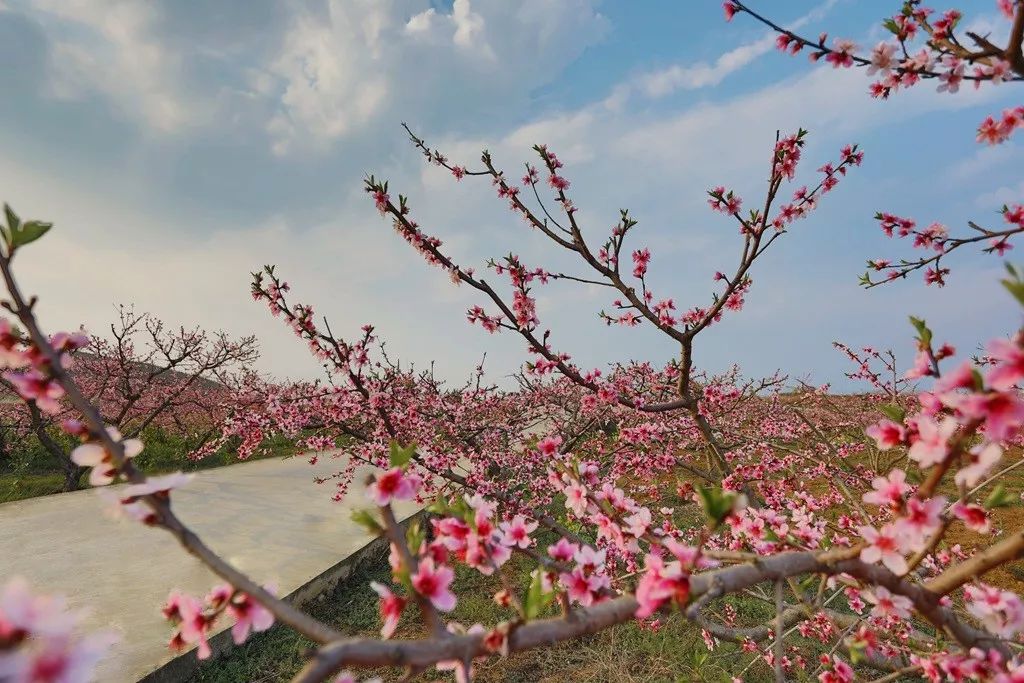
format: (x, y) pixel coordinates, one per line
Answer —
(624, 654)
(21, 485)
(32, 471)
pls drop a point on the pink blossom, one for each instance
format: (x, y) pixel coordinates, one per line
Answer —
(840, 672)
(192, 624)
(887, 604)
(432, 582)
(1001, 411)
(930, 446)
(563, 550)
(33, 385)
(517, 532)
(882, 58)
(922, 366)
(249, 616)
(885, 546)
(659, 584)
(40, 642)
(888, 491)
(842, 53)
(973, 516)
(887, 434)
(395, 484)
(576, 498)
(922, 519)
(12, 355)
(156, 484)
(582, 587)
(960, 378)
(549, 445)
(983, 458)
(391, 607)
(95, 455)
(999, 611)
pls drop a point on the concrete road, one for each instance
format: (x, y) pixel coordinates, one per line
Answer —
(268, 518)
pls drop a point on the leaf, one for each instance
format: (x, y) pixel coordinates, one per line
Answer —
(13, 222)
(924, 334)
(414, 535)
(537, 599)
(29, 232)
(717, 503)
(1014, 284)
(893, 412)
(439, 507)
(400, 456)
(1016, 289)
(365, 519)
(999, 498)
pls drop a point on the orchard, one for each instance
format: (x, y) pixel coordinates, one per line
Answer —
(879, 526)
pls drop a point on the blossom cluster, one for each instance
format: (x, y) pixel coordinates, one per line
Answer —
(40, 640)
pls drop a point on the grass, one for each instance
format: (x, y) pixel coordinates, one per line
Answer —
(624, 654)
(627, 653)
(33, 472)
(19, 486)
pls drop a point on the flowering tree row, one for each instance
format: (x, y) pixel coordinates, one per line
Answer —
(145, 374)
(642, 492)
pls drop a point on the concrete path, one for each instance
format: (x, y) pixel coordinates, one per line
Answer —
(267, 518)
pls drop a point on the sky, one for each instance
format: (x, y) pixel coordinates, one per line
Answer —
(179, 145)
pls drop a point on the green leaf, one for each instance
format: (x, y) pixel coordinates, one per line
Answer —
(893, 412)
(1016, 289)
(717, 503)
(401, 455)
(13, 222)
(365, 519)
(924, 335)
(537, 599)
(414, 536)
(1014, 284)
(999, 498)
(439, 507)
(29, 232)
(857, 653)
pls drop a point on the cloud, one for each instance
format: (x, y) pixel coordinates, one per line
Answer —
(463, 27)
(355, 63)
(178, 225)
(330, 73)
(666, 81)
(979, 165)
(1005, 194)
(113, 47)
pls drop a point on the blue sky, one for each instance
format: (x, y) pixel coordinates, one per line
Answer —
(179, 145)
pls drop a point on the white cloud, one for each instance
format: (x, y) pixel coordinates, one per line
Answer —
(332, 81)
(703, 74)
(337, 73)
(982, 162)
(113, 47)
(1005, 194)
(361, 62)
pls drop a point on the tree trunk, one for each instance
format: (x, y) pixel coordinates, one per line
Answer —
(72, 472)
(72, 476)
